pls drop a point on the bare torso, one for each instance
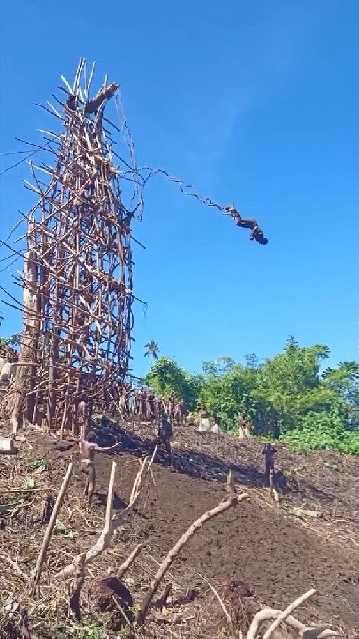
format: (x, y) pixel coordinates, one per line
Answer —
(88, 450)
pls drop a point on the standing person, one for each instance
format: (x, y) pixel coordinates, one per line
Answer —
(170, 406)
(216, 428)
(241, 426)
(179, 412)
(122, 404)
(244, 426)
(269, 451)
(164, 435)
(150, 405)
(143, 403)
(88, 448)
(204, 421)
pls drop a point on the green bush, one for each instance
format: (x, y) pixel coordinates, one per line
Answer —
(320, 431)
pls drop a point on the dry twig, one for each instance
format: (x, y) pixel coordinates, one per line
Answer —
(111, 524)
(173, 552)
(295, 604)
(50, 527)
(128, 562)
(75, 589)
(304, 631)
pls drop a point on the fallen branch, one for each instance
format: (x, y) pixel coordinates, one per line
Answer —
(15, 566)
(111, 523)
(50, 527)
(312, 513)
(11, 491)
(162, 600)
(166, 563)
(283, 616)
(305, 632)
(75, 589)
(221, 603)
(129, 561)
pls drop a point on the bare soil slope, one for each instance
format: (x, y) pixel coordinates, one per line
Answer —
(274, 549)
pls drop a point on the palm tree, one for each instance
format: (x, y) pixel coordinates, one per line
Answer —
(152, 349)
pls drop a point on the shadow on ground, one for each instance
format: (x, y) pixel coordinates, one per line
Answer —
(194, 463)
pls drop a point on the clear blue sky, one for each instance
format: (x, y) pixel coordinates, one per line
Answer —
(255, 102)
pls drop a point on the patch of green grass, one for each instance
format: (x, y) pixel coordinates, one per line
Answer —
(296, 512)
(28, 483)
(38, 464)
(92, 631)
(332, 466)
(61, 529)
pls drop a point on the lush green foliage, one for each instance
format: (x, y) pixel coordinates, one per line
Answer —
(286, 396)
(10, 344)
(323, 431)
(166, 377)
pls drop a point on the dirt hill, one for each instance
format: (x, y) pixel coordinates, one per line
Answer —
(276, 550)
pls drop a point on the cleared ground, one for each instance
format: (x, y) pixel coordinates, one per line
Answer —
(275, 550)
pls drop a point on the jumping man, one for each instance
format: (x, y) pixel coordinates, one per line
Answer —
(247, 223)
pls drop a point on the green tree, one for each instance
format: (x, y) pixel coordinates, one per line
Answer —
(286, 395)
(166, 378)
(344, 381)
(219, 366)
(3, 346)
(283, 380)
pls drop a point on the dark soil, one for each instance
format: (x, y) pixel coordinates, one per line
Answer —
(274, 549)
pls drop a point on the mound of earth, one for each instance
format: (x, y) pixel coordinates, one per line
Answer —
(274, 551)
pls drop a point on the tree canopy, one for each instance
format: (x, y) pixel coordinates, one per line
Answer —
(291, 395)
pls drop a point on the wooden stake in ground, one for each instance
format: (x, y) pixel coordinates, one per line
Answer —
(50, 527)
(111, 523)
(233, 500)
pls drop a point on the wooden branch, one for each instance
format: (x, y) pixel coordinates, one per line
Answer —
(111, 523)
(15, 566)
(166, 563)
(50, 527)
(282, 617)
(24, 490)
(75, 589)
(120, 572)
(304, 631)
(109, 504)
(161, 602)
(221, 603)
(318, 633)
